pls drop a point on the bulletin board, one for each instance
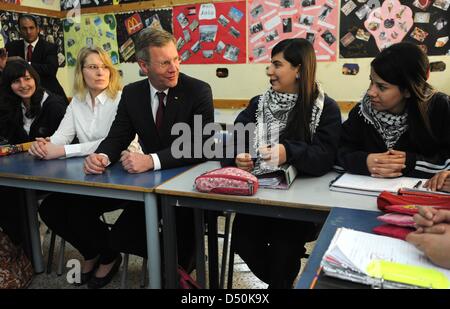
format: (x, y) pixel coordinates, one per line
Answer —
(130, 24)
(51, 30)
(130, 1)
(366, 28)
(211, 32)
(88, 30)
(70, 4)
(271, 21)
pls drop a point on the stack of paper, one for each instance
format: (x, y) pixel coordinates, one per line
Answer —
(279, 178)
(380, 261)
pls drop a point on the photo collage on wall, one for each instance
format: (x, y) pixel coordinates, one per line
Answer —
(275, 20)
(130, 24)
(368, 26)
(70, 4)
(211, 32)
(130, 1)
(51, 31)
(99, 30)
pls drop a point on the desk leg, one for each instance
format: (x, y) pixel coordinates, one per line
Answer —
(213, 255)
(170, 243)
(153, 249)
(200, 247)
(38, 260)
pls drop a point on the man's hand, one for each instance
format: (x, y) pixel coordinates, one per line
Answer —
(134, 162)
(386, 164)
(95, 164)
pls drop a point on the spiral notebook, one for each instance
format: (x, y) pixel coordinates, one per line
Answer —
(380, 261)
(367, 185)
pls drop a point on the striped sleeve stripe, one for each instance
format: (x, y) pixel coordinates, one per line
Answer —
(432, 168)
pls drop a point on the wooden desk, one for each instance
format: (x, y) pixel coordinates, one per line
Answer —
(23, 171)
(308, 199)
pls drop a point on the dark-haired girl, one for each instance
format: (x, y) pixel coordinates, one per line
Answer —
(27, 111)
(297, 124)
(401, 127)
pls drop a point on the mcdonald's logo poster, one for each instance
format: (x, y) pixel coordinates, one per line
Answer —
(133, 24)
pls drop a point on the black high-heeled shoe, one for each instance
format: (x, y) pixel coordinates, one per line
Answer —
(85, 277)
(97, 283)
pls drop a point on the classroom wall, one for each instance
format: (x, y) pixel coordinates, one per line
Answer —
(247, 80)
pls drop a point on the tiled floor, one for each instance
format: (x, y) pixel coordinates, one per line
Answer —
(242, 278)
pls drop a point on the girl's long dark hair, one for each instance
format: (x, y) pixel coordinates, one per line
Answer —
(10, 101)
(300, 52)
(406, 66)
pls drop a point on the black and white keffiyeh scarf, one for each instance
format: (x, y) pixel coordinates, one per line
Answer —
(271, 120)
(389, 126)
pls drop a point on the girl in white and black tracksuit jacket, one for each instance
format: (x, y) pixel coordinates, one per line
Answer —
(402, 125)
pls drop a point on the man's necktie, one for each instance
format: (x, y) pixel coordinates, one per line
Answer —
(160, 112)
(29, 52)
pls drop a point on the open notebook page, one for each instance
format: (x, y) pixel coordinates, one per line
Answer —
(360, 248)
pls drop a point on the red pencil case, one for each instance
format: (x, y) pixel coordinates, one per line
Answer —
(227, 180)
(392, 231)
(406, 197)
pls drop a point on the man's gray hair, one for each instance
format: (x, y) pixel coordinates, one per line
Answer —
(151, 37)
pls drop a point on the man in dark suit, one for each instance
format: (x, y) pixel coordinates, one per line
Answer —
(41, 54)
(150, 108)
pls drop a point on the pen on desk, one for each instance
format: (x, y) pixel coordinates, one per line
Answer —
(417, 186)
(316, 277)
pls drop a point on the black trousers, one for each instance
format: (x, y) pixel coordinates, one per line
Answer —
(272, 248)
(12, 214)
(76, 218)
(129, 234)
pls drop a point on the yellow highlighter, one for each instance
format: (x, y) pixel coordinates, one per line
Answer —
(408, 274)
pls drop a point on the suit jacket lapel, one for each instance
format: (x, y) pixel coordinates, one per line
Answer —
(37, 49)
(22, 49)
(147, 105)
(172, 108)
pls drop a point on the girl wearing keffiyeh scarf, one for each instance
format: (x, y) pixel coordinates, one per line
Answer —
(297, 124)
(400, 127)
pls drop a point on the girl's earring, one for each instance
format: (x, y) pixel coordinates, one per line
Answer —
(297, 76)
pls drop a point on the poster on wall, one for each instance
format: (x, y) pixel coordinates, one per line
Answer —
(70, 4)
(51, 31)
(211, 32)
(130, 1)
(2, 40)
(275, 20)
(98, 30)
(368, 27)
(130, 24)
